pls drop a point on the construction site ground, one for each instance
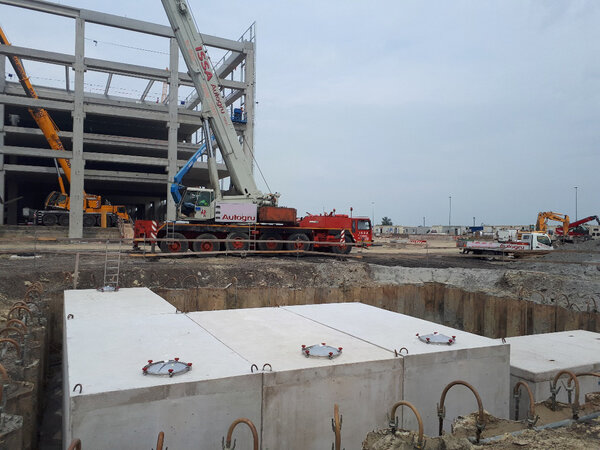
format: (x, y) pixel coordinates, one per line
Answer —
(570, 274)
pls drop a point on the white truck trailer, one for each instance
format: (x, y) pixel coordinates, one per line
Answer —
(532, 241)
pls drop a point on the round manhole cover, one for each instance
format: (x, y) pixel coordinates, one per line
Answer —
(166, 368)
(437, 338)
(321, 350)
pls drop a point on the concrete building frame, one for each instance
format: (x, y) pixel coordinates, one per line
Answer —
(238, 62)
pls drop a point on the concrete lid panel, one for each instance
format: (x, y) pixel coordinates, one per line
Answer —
(539, 357)
(108, 355)
(90, 303)
(275, 336)
(387, 329)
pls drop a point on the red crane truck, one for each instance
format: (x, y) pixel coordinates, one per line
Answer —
(243, 215)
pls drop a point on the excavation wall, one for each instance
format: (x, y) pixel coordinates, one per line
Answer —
(475, 312)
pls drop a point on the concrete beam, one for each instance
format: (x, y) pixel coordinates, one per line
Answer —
(35, 102)
(87, 156)
(97, 104)
(107, 88)
(146, 90)
(118, 22)
(235, 95)
(34, 151)
(231, 84)
(107, 175)
(37, 55)
(107, 139)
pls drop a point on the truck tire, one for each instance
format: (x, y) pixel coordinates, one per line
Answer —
(342, 249)
(89, 220)
(49, 220)
(63, 220)
(205, 243)
(237, 244)
(177, 243)
(265, 243)
(300, 242)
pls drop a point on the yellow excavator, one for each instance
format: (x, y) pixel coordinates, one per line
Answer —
(58, 204)
(541, 224)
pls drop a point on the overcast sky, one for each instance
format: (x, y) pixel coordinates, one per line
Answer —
(394, 106)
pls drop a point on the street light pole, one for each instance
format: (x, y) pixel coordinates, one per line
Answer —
(450, 212)
(575, 203)
(373, 212)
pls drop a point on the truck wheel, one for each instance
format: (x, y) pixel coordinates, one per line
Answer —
(63, 220)
(342, 249)
(265, 241)
(300, 242)
(175, 243)
(236, 244)
(49, 220)
(89, 220)
(205, 243)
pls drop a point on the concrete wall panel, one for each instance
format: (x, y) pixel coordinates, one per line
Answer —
(298, 404)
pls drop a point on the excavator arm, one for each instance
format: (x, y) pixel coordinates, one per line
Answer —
(543, 218)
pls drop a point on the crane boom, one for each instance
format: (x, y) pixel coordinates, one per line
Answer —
(213, 104)
(40, 115)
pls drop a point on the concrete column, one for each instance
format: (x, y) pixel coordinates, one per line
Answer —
(250, 101)
(173, 125)
(2, 171)
(12, 191)
(147, 211)
(157, 209)
(77, 163)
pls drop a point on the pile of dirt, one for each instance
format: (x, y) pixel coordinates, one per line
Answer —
(406, 440)
(579, 436)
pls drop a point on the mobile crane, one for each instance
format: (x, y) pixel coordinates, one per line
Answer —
(243, 213)
(57, 204)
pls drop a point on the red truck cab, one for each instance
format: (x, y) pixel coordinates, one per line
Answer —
(357, 229)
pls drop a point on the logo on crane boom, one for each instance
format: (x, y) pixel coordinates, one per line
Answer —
(205, 64)
(203, 57)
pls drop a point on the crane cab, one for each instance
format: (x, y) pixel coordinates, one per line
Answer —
(198, 204)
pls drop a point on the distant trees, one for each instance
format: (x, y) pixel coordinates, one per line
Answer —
(386, 221)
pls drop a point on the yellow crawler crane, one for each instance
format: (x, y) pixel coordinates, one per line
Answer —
(57, 204)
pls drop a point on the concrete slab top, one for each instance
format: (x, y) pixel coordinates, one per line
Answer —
(90, 303)
(275, 336)
(108, 355)
(387, 329)
(540, 356)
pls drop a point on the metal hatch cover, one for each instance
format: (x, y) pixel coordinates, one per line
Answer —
(437, 338)
(166, 368)
(321, 350)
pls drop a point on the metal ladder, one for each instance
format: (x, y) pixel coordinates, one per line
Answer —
(252, 235)
(112, 267)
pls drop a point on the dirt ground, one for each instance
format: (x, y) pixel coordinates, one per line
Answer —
(569, 276)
